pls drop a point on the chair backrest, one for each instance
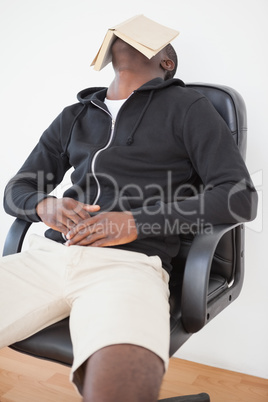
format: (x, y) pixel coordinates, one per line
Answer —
(227, 268)
(231, 106)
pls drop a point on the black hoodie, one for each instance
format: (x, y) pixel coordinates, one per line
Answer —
(169, 158)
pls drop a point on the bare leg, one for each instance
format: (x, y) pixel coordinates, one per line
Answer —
(123, 373)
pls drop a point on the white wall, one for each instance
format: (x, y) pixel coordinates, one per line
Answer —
(46, 50)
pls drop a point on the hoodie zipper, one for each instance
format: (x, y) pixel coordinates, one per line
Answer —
(93, 163)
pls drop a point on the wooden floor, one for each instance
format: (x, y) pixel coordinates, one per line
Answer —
(26, 379)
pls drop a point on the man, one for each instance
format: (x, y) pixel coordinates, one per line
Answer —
(138, 149)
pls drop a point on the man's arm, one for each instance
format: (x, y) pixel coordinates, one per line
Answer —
(228, 194)
(42, 171)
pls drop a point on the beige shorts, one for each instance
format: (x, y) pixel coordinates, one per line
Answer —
(112, 296)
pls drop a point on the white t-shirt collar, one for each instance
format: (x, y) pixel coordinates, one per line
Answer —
(114, 106)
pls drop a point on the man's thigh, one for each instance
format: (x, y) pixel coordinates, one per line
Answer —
(31, 290)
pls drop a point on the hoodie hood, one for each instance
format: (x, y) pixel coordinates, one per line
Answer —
(97, 95)
(87, 95)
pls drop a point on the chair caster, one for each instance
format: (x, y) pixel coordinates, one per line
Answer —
(188, 398)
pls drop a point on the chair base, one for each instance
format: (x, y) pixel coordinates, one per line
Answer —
(188, 398)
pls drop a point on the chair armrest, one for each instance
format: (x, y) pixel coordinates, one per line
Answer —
(15, 236)
(196, 277)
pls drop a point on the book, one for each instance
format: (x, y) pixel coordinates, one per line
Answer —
(144, 34)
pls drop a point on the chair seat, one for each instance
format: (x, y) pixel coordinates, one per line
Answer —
(52, 343)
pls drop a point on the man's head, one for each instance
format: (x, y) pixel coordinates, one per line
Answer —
(125, 57)
(144, 34)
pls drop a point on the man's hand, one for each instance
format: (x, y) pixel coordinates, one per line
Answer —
(104, 229)
(63, 214)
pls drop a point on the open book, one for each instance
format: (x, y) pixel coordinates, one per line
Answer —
(145, 35)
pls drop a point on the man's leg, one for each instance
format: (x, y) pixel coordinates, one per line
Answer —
(31, 296)
(123, 373)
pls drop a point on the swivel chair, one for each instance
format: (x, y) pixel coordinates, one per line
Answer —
(207, 273)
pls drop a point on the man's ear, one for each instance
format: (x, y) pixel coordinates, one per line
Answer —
(167, 64)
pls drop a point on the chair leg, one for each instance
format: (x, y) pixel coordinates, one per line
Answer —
(188, 398)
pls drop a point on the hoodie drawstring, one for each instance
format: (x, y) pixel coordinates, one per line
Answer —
(130, 139)
(64, 153)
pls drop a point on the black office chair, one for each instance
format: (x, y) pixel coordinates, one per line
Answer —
(207, 273)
